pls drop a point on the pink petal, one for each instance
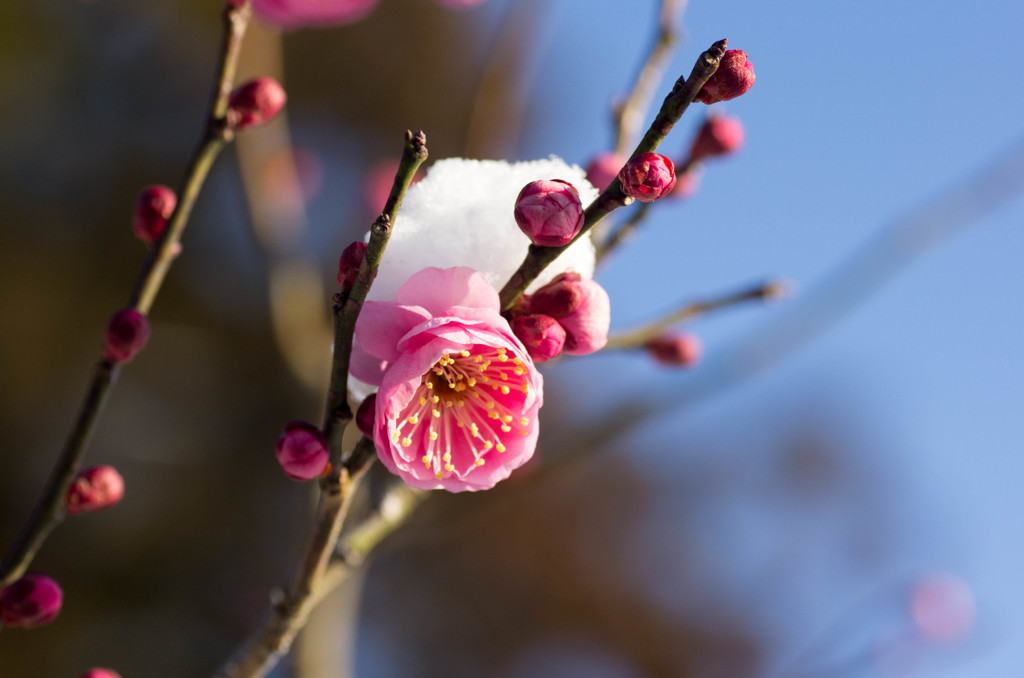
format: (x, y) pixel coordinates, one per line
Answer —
(365, 367)
(439, 289)
(382, 324)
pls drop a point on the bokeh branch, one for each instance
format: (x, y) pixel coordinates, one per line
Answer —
(629, 115)
(49, 509)
(774, 289)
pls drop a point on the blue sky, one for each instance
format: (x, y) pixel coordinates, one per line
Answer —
(861, 113)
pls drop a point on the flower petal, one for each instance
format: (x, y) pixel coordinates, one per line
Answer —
(438, 289)
(382, 324)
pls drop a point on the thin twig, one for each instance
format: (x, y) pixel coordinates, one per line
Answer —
(287, 616)
(629, 115)
(675, 104)
(637, 338)
(49, 509)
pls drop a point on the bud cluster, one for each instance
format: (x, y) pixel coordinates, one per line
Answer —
(571, 314)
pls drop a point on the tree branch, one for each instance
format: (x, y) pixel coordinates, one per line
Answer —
(675, 104)
(49, 509)
(288, 615)
(637, 338)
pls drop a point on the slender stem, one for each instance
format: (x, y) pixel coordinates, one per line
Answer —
(346, 311)
(630, 114)
(49, 509)
(288, 615)
(675, 104)
(215, 137)
(636, 338)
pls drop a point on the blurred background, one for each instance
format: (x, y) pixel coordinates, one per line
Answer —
(833, 491)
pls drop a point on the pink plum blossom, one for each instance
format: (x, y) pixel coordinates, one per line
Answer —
(299, 13)
(459, 394)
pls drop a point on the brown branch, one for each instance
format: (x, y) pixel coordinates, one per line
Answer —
(637, 338)
(288, 615)
(675, 104)
(49, 509)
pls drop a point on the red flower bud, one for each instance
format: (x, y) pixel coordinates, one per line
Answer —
(678, 350)
(94, 489)
(366, 416)
(31, 601)
(302, 451)
(648, 177)
(541, 334)
(735, 75)
(127, 333)
(720, 135)
(348, 266)
(255, 103)
(550, 213)
(558, 298)
(581, 307)
(604, 168)
(100, 673)
(153, 208)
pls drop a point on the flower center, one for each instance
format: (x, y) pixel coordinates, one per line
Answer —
(466, 405)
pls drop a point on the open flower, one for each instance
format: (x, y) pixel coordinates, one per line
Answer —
(459, 394)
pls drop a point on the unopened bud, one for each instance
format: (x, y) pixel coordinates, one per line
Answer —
(302, 451)
(127, 333)
(255, 103)
(348, 266)
(100, 673)
(94, 489)
(603, 169)
(720, 135)
(366, 416)
(558, 298)
(581, 307)
(648, 177)
(153, 208)
(680, 349)
(31, 601)
(549, 212)
(541, 334)
(735, 75)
